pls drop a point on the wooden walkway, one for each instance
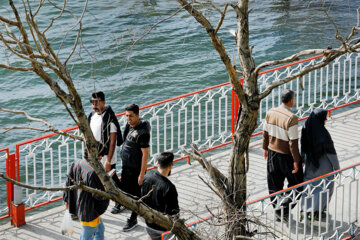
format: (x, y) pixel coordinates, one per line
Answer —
(193, 193)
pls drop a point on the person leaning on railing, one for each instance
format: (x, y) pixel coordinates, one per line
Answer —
(318, 151)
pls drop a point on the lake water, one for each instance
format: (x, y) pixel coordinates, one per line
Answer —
(175, 58)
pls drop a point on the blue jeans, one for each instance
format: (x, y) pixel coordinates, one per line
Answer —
(96, 233)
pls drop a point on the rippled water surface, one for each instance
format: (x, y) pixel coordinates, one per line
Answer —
(175, 58)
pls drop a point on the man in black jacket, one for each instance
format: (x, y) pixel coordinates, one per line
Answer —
(87, 206)
(107, 133)
(164, 198)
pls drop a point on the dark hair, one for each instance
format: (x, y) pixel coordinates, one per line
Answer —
(132, 107)
(165, 159)
(287, 95)
(99, 94)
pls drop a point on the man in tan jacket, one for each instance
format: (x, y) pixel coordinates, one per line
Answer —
(280, 142)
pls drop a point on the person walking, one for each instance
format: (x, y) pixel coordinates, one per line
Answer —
(106, 129)
(164, 198)
(134, 156)
(87, 206)
(319, 154)
(280, 144)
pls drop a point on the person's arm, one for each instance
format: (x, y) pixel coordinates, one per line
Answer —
(172, 204)
(144, 160)
(265, 139)
(293, 133)
(107, 164)
(68, 183)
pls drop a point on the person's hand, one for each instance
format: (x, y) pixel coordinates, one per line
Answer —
(66, 205)
(107, 166)
(265, 154)
(141, 178)
(296, 167)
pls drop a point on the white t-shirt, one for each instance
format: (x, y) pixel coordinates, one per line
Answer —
(95, 125)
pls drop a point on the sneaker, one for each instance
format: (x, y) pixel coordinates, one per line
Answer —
(129, 225)
(117, 209)
(74, 217)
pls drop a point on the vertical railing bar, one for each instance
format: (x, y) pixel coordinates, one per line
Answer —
(199, 123)
(27, 174)
(172, 131)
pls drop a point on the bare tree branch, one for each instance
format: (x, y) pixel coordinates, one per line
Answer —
(211, 188)
(39, 7)
(52, 189)
(54, 18)
(23, 69)
(8, 21)
(51, 127)
(148, 194)
(222, 18)
(78, 34)
(218, 179)
(292, 58)
(301, 73)
(234, 79)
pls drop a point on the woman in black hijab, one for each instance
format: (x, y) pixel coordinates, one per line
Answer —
(319, 155)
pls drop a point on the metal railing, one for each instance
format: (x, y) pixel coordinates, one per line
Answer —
(340, 219)
(340, 192)
(205, 117)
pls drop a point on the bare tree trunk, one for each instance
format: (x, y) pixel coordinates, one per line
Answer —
(238, 168)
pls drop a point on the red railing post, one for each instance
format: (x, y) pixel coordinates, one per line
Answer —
(16, 210)
(234, 108)
(10, 173)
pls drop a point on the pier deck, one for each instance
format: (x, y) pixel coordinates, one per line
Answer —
(193, 193)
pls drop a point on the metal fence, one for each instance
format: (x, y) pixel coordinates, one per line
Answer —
(205, 117)
(338, 193)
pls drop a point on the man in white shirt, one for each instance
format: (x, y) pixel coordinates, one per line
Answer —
(107, 133)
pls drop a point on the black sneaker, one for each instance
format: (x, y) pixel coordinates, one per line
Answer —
(129, 225)
(117, 209)
(74, 217)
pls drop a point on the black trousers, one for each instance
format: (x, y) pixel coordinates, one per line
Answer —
(279, 167)
(129, 184)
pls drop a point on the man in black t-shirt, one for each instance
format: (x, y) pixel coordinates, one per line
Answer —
(134, 156)
(164, 198)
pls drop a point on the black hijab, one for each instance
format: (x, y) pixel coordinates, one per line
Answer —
(315, 138)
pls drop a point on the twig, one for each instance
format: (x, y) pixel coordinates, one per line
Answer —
(51, 127)
(53, 189)
(211, 188)
(148, 31)
(148, 194)
(222, 18)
